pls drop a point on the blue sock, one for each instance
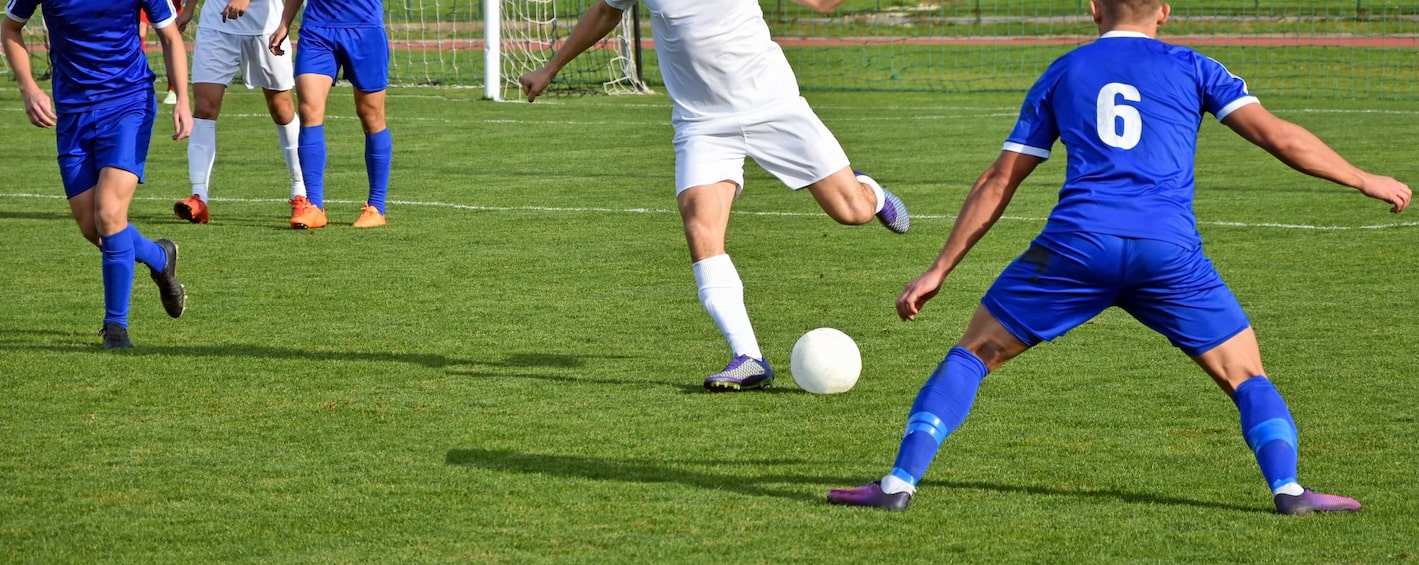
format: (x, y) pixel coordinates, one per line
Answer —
(311, 150)
(117, 250)
(940, 407)
(379, 150)
(145, 251)
(1268, 429)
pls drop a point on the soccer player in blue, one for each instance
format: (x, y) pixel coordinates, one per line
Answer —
(338, 34)
(103, 111)
(1127, 108)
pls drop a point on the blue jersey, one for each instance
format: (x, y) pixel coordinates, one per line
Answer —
(1128, 109)
(95, 53)
(344, 13)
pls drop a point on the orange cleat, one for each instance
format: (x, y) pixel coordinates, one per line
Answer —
(306, 216)
(192, 209)
(369, 218)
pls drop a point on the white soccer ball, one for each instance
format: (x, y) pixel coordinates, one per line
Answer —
(825, 361)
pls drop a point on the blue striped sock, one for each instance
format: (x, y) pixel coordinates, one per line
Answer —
(1269, 430)
(379, 150)
(311, 150)
(940, 408)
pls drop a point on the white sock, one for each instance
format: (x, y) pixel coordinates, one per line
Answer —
(201, 154)
(1292, 488)
(722, 294)
(289, 136)
(891, 484)
(876, 189)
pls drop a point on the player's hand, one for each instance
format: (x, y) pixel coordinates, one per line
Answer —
(917, 293)
(39, 109)
(1387, 189)
(183, 18)
(535, 82)
(277, 38)
(235, 9)
(181, 121)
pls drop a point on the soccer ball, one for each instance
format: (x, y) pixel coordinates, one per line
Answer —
(825, 361)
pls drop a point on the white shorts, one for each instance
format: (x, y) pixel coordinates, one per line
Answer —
(788, 141)
(219, 55)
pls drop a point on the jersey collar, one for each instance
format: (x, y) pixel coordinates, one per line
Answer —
(1109, 34)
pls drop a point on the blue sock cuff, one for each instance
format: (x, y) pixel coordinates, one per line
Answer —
(123, 239)
(965, 356)
(379, 141)
(1275, 429)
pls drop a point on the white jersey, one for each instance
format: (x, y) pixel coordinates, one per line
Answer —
(261, 18)
(716, 57)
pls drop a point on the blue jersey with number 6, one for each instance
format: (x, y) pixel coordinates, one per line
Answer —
(1128, 109)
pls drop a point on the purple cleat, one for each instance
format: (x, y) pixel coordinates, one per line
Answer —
(742, 373)
(1310, 502)
(870, 495)
(894, 212)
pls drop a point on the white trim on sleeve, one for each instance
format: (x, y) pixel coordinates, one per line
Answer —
(1238, 103)
(1026, 150)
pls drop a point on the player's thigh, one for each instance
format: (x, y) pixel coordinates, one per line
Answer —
(1057, 284)
(1176, 291)
(793, 145)
(366, 55)
(216, 57)
(313, 90)
(260, 68)
(708, 153)
(705, 209)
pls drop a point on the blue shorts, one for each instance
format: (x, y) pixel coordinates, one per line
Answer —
(363, 52)
(107, 135)
(1062, 281)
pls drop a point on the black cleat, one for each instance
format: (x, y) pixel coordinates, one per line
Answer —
(173, 294)
(115, 336)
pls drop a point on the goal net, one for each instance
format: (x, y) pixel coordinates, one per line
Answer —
(493, 42)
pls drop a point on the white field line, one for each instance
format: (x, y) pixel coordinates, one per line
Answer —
(599, 210)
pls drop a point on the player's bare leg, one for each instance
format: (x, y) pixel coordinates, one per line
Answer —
(201, 150)
(312, 90)
(1236, 367)
(940, 408)
(705, 212)
(378, 152)
(853, 198)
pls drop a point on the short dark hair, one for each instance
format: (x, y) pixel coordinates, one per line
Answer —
(1129, 10)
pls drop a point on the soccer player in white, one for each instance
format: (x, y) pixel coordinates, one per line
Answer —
(734, 96)
(232, 36)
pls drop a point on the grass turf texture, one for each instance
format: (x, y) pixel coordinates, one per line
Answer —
(510, 371)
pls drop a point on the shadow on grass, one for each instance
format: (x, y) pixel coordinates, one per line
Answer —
(24, 340)
(674, 471)
(45, 216)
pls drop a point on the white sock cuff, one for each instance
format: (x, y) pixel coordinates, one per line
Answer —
(891, 484)
(204, 125)
(876, 190)
(717, 272)
(289, 134)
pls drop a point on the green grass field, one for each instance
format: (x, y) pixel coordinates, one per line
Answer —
(510, 371)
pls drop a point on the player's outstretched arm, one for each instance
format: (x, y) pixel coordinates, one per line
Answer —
(1300, 149)
(175, 58)
(983, 206)
(820, 6)
(288, 15)
(598, 21)
(37, 106)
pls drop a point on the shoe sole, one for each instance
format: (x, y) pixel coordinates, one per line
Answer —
(728, 386)
(184, 211)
